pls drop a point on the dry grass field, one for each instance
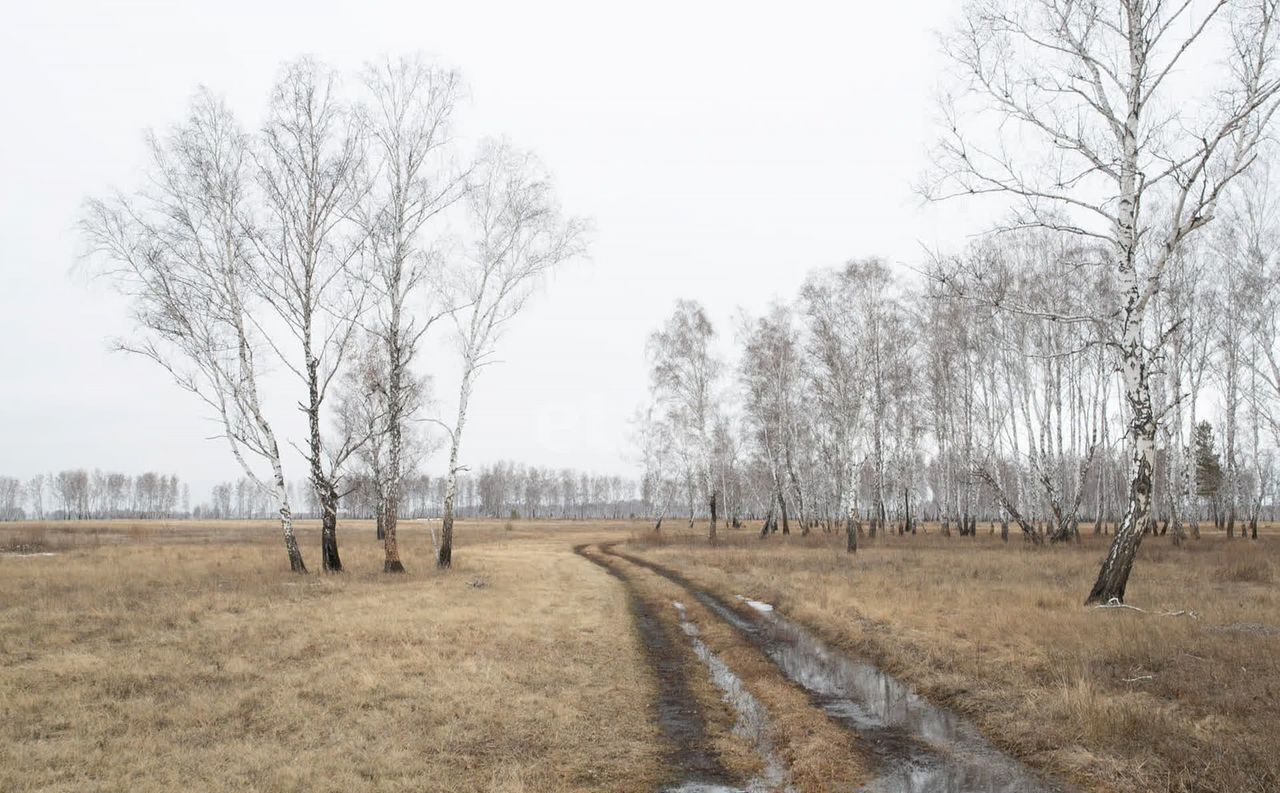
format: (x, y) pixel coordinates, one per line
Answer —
(1110, 699)
(154, 657)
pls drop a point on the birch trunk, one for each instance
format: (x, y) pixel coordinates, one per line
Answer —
(395, 446)
(851, 526)
(326, 492)
(268, 445)
(851, 529)
(1114, 573)
(712, 504)
(1113, 576)
(286, 520)
(444, 554)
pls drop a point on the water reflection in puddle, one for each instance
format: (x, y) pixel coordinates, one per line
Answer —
(922, 748)
(753, 720)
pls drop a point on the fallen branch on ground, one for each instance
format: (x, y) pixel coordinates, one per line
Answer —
(1114, 603)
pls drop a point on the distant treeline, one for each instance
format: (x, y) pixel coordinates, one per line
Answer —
(77, 494)
(500, 490)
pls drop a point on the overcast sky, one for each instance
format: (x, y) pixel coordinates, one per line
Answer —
(721, 152)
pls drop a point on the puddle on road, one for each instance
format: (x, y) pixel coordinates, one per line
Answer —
(922, 748)
(753, 718)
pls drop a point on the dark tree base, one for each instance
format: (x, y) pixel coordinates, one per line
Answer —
(332, 563)
(393, 567)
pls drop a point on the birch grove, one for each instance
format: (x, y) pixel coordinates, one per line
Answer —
(324, 248)
(881, 403)
(1098, 141)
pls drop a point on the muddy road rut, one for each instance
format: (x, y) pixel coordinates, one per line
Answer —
(873, 733)
(677, 712)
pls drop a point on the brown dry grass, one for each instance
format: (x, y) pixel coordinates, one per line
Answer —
(1112, 699)
(146, 657)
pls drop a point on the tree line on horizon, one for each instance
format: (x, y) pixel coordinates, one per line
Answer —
(505, 490)
(77, 494)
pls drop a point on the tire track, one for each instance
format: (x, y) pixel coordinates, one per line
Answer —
(688, 750)
(919, 747)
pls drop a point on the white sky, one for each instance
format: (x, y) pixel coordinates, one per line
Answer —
(721, 150)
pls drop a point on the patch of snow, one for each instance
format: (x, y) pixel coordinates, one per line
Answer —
(758, 606)
(25, 555)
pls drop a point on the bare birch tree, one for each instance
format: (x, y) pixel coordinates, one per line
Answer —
(517, 234)
(683, 375)
(833, 350)
(770, 372)
(180, 251)
(363, 412)
(35, 495)
(410, 116)
(882, 350)
(310, 169)
(654, 442)
(1096, 138)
